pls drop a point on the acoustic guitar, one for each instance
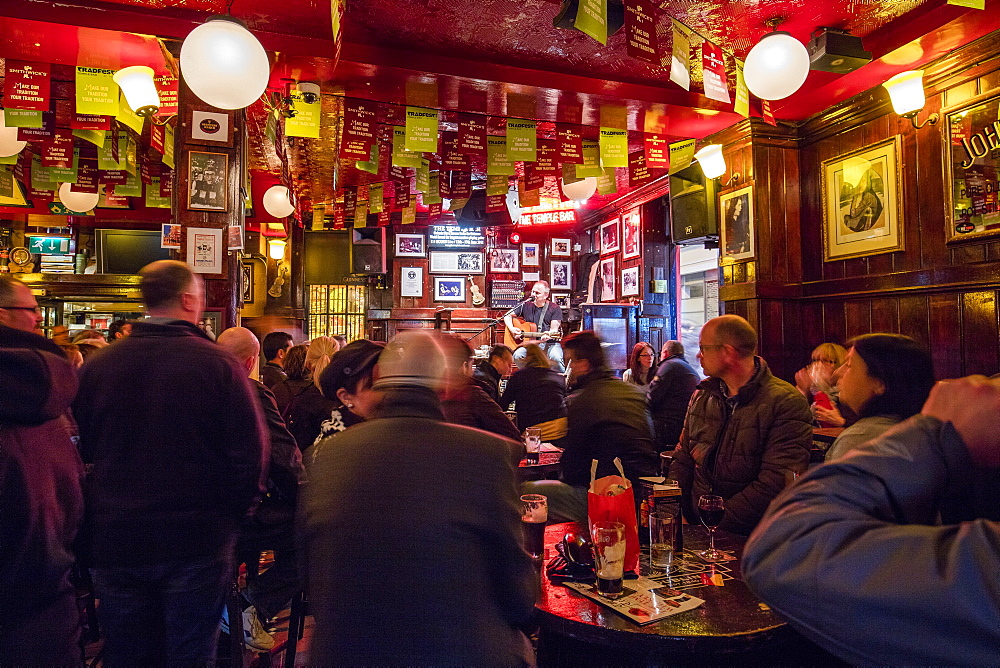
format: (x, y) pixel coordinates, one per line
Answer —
(528, 331)
(478, 298)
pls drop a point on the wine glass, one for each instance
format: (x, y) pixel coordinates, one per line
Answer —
(711, 508)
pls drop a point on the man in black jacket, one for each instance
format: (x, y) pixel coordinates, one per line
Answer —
(607, 419)
(669, 394)
(179, 450)
(276, 346)
(488, 373)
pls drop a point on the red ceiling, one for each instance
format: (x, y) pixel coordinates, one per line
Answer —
(476, 52)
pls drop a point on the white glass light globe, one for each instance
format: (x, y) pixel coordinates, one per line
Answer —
(9, 144)
(277, 203)
(224, 64)
(580, 191)
(906, 91)
(776, 67)
(78, 202)
(712, 162)
(139, 89)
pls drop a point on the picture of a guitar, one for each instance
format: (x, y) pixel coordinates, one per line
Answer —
(478, 299)
(528, 331)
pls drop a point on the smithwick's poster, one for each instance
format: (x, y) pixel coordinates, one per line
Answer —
(204, 250)
(714, 66)
(640, 24)
(26, 85)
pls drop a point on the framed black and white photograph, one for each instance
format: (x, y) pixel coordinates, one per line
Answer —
(449, 288)
(561, 247)
(630, 282)
(609, 237)
(204, 250)
(210, 322)
(530, 254)
(411, 281)
(208, 174)
(561, 274)
(631, 228)
(411, 245)
(457, 262)
(504, 261)
(561, 300)
(608, 279)
(736, 208)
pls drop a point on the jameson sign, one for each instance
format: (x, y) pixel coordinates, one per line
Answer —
(973, 164)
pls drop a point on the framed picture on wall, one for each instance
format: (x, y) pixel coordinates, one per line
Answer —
(609, 237)
(561, 247)
(208, 174)
(204, 250)
(561, 300)
(560, 275)
(530, 255)
(411, 281)
(504, 261)
(449, 288)
(862, 202)
(971, 209)
(632, 231)
(736, 209)
(630, 282)
(410, 245)
(210, 322)
(457, 262)
(608, 279)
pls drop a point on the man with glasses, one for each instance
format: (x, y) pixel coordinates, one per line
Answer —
(746, 433)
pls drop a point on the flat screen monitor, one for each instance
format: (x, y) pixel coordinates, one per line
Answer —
(127, 251)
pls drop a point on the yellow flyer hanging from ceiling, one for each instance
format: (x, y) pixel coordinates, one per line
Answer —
(22, 118)
(318, 222)
(361, 214)
(409, 215)
(370, 165)
(497, 184)
(521, 140)
(614, 147)
(400, 156)
(498, 162)
(680, 58)
(742, 104)
(607, 183)
(128, 117)
(168, 146)
(591, 160)
(592, 19)
(153, 198)
(681, 155)
(423, 180)
(96, 92)
(376, 197)
(305, 122)
(975, 4)
(421, 130)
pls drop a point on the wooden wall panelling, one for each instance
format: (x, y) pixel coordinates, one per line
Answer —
(811, 330)
(885, 315)
(980, 332)
(945, 335)
(914, 318)
(792, 216)
(810, 215)
(834, 323)
(857, 317)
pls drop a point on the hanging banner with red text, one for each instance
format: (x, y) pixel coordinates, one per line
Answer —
(638, 170)
(569, 144)
(657, 151)
(640, 31)
(713, 64)
(26, 85)
(360, 118)
(453, 160)
(472, 135)
(167, 88)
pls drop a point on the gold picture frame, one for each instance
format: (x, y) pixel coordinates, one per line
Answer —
(862, 202)
(970, 161)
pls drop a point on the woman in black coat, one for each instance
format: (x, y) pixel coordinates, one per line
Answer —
(538, 391)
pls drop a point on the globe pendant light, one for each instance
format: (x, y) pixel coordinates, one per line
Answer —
(776, 67)
(277, 202)
(224, 64)
(580, 191)
(77, 202)
(9, 144)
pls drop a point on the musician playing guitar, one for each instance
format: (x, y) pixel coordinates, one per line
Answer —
(546, 317)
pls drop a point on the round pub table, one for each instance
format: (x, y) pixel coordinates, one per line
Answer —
(731, 627)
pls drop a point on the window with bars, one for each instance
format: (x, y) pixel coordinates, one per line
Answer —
(336, 309)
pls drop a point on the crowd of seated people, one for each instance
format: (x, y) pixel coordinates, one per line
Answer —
(899, 525)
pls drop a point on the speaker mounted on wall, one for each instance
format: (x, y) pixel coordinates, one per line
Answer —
(368, 251)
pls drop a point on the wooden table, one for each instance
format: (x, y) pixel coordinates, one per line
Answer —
(731, 626)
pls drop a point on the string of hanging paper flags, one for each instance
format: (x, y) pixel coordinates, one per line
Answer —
(113, 158)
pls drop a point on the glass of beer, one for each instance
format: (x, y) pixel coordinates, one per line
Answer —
(534, 515)
(661, 540)
(532, 444)
(609, 557)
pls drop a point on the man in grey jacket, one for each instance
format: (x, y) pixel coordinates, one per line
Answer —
(851, 555)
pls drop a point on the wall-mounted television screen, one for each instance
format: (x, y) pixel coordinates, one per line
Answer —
(127, 251)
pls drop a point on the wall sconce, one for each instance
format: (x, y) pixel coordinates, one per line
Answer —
(906, 92)
(224, 64)
(713, 164)
(777, 65)
(276, 251)
(137, 85)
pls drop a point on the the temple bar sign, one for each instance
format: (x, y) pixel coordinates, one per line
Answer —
(453, 236)
(559, 217)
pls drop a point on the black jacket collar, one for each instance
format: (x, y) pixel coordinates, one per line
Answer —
(168, 328)
(410, 401)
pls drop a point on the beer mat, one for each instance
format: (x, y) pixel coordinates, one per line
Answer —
(692, 573)
(644, 601)
(548, 447)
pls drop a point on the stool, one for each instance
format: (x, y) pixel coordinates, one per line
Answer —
(296, 627)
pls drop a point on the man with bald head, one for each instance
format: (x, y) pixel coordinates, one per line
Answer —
(272, 527)
(179, 449)
(746, 432)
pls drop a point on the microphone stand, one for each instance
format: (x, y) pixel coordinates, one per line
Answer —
(496, 320)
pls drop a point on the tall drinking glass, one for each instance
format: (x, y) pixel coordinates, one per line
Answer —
(534, 515)
(711, 509)
(661, 539)
(609, 557)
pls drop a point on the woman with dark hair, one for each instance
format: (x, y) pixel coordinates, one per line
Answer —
(539, 395)
(640, 369)
(885, 380)
(297, 377)
(347, 382)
